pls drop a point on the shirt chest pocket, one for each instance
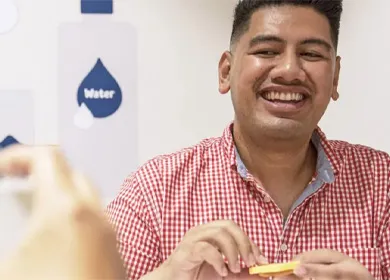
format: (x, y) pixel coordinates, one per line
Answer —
(369, 257)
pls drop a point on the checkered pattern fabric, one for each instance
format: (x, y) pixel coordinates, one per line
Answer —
(172, 193)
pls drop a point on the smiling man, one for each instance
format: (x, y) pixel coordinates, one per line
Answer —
(272, 188)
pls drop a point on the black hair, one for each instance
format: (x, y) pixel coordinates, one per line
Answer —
(331, 9)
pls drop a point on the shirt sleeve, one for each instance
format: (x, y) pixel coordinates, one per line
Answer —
(384, 233)
(385, 251)
(135, 225)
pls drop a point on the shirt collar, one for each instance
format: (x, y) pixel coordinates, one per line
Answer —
(328, 161)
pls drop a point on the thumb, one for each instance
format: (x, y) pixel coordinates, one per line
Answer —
(321, 271)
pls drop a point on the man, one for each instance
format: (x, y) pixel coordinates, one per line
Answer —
(272, 188)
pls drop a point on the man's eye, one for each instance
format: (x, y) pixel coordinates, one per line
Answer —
(311, 55)
(266, 53)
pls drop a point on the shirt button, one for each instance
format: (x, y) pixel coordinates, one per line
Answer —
(267, 199)
(283, 247)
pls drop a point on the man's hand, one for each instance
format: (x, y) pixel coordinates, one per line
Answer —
(329, 265)
(68, 237)
(199, 255)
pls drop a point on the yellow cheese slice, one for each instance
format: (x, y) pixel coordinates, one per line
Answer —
(275, 269)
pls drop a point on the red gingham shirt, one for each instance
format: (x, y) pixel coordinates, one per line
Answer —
(347, 209)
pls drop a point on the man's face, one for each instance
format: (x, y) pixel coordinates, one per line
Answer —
(282, 72)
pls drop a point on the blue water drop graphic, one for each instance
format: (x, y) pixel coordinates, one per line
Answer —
(100, 92)
(8, 141)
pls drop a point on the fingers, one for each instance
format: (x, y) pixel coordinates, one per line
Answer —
(247, 249)
(48, 169)
(15, 161)
(45, 165)
(206, 252)
(289, 277)
(244, 245)
(318, 271)
(260, 259)
(329, 264)
(231, 241)
(209, 244)
(226, 245)
(323, 256)
(316, 263)
(343, 270)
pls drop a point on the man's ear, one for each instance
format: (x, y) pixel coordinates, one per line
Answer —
(224, 68)
(335, 93)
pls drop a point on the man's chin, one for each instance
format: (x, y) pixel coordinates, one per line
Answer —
(282, 129)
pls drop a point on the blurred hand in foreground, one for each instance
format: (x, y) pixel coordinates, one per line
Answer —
(68, 236)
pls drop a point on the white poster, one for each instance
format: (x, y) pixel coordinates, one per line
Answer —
(97, 98)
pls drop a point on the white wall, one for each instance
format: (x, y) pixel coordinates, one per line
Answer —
(362, 113)
(180, 42)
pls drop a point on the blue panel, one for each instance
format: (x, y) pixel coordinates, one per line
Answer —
(97, 6)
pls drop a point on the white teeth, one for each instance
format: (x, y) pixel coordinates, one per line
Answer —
(284, 96)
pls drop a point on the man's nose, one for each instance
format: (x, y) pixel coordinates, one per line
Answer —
(288, 70)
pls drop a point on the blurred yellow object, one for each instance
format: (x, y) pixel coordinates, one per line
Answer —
(276, 269)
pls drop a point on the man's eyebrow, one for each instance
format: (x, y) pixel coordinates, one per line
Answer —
(317, 41)
(272, 38)
(264, 38)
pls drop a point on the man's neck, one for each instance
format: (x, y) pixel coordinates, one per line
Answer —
(283, 168)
